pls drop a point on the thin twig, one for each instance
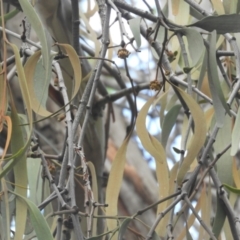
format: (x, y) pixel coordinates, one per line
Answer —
(207, 229)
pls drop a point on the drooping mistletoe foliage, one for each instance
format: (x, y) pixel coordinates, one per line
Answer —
(63, 134)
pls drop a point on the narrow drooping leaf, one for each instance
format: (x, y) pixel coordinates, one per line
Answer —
(41, 81)
(3, 98)
(236, 173)
(232, 189)
(8, 121)
(224, 164)
(40, 30)
(224, 171)
(9, 15)
(195, 44)
(114, 185)
(222, 24)
(27, 102)
(163, 101)
(236, 135)
(123, 228)
(199, 135)
(76, 65)
(145, 137)
(23, 83)
(135, 28)
(195, 13)
(20, 172)
(5, 218)
(42, 35)
(154, 147)
(29, 69)
(95, 191)
(168, 123)
(219, 218)
(37, 220)
(34, 173)
(155, 236)
(219, 103)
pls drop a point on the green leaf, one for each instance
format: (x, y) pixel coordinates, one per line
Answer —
(231, 189)
(27, 102)
(38, 27)
(20, 172)
(224, 164)
(135, 28)
(219, 102)
(38, 222)
(195, 13)
(236, 135)
(222, 24)
(123, 228)
(219, 218)
(155, 236)
(41, 32)
(155, 148)
(168, 123)
(224, 171)
(9, 15)
(34, 171)
(195, 45)
(40, 86)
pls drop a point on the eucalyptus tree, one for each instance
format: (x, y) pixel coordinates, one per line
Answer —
(76, 152)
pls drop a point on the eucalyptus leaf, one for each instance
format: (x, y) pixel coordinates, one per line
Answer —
(44, 39)
(195, 45)
(155, 236)
(9, 15)
(168, 123)
(219, 103)
(219, 218)
(232, 189)
(40, 86)
(236, 135)
(135, 28)
(222, 23)
(123, 228)
(38, 222)
(20, 172)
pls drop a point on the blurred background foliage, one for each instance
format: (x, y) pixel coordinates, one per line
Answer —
(125, 125)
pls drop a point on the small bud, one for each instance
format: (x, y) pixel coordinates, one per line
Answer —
(155, 85)
(123, 53)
